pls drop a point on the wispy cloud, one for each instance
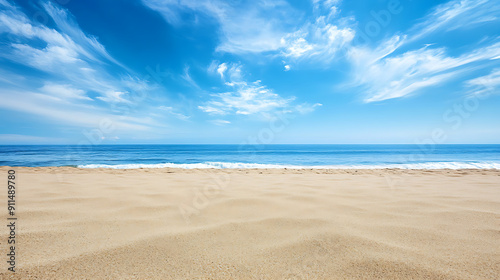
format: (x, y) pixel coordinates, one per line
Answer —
(87, 43)
(68, 45)
(401, 75)
(171, 111)
(75, 82)
(221, 69)
(488, 84)
(228, 72)
(321, 39)
(187, 77)
(64, 92)
(220, 122)
(67, 53)
(59, 111)
(457, 14)
(266, 26)
(246, 26)
(386, 72)
(248, 98)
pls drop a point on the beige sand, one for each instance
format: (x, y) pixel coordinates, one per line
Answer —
(255, 224)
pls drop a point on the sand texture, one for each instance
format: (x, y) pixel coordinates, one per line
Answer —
(254, 224)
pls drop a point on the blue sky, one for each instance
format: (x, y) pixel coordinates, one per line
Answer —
(310, 71)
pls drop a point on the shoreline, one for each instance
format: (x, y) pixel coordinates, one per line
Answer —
(256, 170)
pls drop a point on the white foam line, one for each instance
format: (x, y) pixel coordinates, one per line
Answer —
(240, 165)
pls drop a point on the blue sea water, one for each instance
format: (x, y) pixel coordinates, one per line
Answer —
(265, 156)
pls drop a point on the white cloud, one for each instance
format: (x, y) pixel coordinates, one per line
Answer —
(249, 98)
(485, 85)
(245, 99)
(171, 111)
(221, 69)
(76, 70)
(234, 73)
(295, 47)
(64, 91)
(386, 77)
(229, 72)
(212, 68)
(319, 40)
(5, 3)
(245, 26)
(328, 4)
(47, 58)
(387, 72)
(287, 67)
(114, 96)
(88, 45)
(457, 14)
(329, 36)
(492, 79)
(70, 41)
(307, 108)
(214, 108)
(67, 54)
(187, 77)
(267, 26)
(70, 113)
(220, 122)
(323, 38)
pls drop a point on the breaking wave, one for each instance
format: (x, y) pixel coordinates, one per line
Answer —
(240, 165)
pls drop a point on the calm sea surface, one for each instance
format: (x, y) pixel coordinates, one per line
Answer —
(268, 156)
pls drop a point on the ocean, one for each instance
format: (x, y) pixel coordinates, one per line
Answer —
(265, 156)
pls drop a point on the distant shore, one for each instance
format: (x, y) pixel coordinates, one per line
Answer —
(169, 223)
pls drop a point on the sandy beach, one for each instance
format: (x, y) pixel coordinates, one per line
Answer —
(254, 224)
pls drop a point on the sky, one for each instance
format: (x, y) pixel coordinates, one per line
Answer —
(256, 72)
